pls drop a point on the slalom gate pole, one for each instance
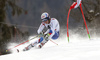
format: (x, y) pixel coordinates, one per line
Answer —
(84, 21)
(53, 42)
(67, 24)
(21, 44)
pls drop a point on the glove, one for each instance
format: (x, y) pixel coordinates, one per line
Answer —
(41, 34)
(49, 27)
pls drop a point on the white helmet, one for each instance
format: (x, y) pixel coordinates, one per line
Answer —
(45, 16)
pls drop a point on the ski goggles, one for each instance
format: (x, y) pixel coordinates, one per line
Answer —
(45, 19)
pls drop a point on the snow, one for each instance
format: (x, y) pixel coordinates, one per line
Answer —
(74, 50)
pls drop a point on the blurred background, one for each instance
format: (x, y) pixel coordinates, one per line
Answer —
(20, 19)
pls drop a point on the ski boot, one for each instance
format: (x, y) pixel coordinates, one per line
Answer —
(28, 47)
(42, 43)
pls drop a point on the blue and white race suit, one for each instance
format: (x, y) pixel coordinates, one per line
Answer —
(53, 29)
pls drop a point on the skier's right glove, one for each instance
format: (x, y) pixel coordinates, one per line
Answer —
(41, 34)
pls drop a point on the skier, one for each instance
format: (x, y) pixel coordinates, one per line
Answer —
(52, 32)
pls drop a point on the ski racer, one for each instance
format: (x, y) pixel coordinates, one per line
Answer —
(52, 31)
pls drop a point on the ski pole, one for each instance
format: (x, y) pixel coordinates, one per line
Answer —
(67, 24)
(84, 21)
(53, 42)
(21, 44)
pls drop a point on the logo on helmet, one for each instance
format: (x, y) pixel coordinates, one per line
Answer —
(45, 16)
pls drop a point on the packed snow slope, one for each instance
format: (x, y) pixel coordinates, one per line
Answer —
(74, 50)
